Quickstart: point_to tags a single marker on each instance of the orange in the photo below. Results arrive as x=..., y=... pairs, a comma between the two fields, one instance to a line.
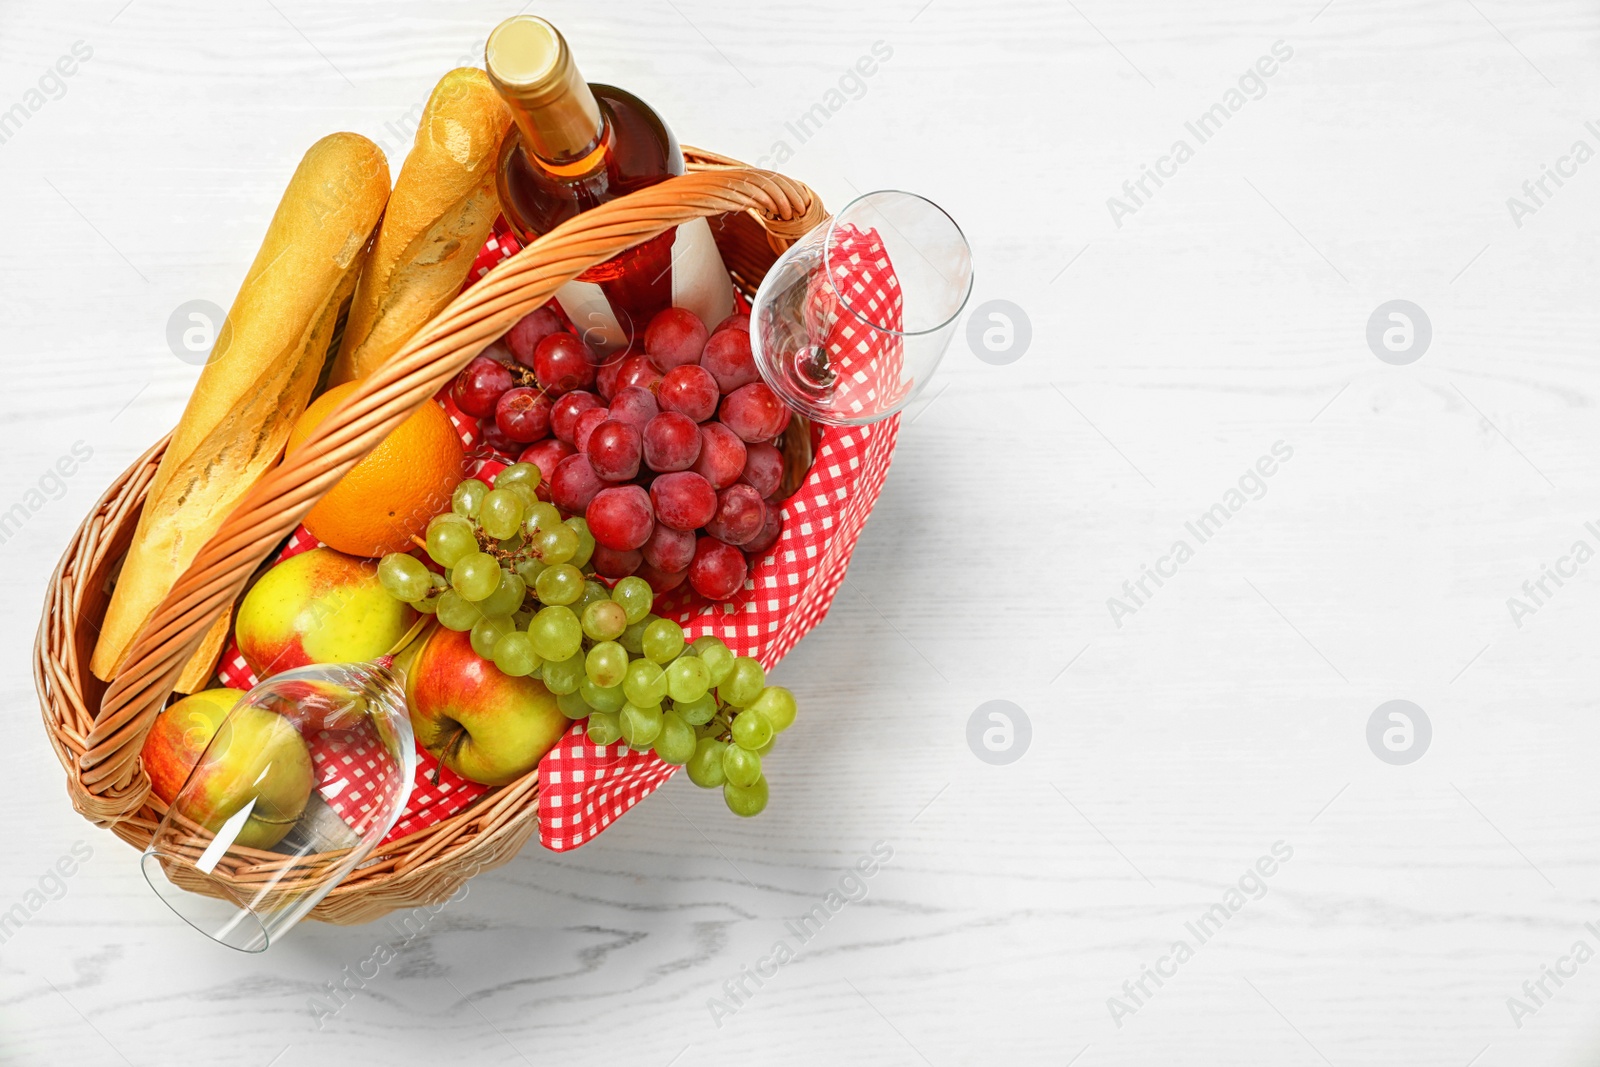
x=389, y=496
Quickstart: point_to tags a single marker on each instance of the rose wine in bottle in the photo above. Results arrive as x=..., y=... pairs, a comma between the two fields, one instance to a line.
x=575, y=145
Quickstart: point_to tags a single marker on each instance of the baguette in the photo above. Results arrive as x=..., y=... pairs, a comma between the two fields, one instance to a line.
x=256, y=382
x=443, y=206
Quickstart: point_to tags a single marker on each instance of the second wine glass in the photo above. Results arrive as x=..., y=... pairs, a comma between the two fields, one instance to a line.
x=853, y=319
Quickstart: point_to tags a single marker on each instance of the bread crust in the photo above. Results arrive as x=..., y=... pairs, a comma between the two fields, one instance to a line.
x=442, y=209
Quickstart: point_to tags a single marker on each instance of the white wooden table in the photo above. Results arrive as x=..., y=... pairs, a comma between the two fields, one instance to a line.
x=1176, y=739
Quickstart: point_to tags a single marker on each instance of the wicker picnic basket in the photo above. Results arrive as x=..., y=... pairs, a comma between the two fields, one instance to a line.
x=98, y=729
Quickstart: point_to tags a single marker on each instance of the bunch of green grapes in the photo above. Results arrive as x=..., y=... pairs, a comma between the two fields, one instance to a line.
x=518, y=579
x=734, y=715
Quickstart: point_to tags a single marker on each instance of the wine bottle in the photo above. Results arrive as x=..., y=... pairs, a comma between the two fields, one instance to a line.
x=574, y=146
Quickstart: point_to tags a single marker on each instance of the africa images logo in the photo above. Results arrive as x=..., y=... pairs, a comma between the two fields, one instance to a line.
x=52, y=85
x=1252, y=85
x=1251, y=885
x=851, y=887
x=1252, y=485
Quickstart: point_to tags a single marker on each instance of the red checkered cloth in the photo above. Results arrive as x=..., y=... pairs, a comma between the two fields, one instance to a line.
x=584, y=788
x=501, y=245
x=860, y=305
x=356, y=775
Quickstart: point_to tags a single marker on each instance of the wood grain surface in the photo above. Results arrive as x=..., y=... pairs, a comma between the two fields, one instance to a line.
x=1174, y=742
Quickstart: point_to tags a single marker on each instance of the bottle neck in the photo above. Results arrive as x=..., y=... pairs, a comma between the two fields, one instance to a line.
x=586, y=160
x=564, y=132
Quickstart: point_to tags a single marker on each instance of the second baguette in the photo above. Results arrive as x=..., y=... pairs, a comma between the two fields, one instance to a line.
x=443, y=206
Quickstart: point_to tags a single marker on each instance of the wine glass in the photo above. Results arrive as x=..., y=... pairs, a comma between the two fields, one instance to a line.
x=306, y=774
x=852, y=320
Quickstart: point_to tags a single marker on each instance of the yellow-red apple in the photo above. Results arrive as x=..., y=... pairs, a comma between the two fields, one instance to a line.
x=180, y=734
x=258, y=760
x=321, y=606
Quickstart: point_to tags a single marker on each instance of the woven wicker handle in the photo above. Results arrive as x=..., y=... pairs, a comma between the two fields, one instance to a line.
x=111, y=784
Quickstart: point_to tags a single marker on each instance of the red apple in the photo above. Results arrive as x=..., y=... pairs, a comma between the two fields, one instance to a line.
x=483, y=724
x=321, y=606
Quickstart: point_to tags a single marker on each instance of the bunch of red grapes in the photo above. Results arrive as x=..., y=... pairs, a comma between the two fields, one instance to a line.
x=668, y=455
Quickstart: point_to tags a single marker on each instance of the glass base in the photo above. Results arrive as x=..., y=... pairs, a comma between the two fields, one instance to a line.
x=814, y=372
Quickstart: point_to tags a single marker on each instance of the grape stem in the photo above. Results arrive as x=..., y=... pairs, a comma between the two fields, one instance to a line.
x=505, y=555
x=523, y=376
